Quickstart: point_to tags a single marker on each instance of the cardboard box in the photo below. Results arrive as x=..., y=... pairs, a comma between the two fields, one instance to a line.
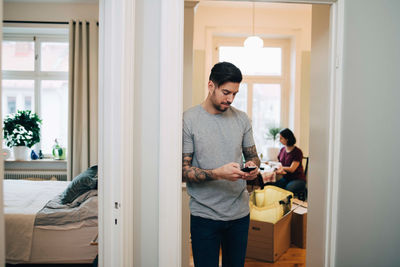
x=268, y=241
x=299, y=226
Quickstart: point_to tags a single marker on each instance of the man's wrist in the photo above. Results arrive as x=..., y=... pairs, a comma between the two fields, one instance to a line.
x=214, y=174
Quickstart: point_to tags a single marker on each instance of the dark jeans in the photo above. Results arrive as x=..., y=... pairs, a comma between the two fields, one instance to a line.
x=96, y=261
x=294, y=186
x=209, y=235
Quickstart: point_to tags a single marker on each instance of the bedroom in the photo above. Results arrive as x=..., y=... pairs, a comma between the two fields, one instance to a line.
x=36, y=77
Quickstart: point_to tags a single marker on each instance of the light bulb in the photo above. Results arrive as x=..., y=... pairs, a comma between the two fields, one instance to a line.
x=253, y=42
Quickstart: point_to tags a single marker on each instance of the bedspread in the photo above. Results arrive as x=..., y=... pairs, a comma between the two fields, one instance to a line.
x=83, y=208
x=22, y=200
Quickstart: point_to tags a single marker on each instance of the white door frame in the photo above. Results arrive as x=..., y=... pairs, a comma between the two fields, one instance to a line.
x=336, y=75
x=117, y=59
x=2, y=233
x=119, y=184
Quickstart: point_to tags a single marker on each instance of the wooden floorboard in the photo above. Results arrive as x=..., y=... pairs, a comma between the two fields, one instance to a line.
x=294, y=257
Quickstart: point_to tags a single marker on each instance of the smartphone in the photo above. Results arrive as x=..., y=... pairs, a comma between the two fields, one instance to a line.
x=248, y=169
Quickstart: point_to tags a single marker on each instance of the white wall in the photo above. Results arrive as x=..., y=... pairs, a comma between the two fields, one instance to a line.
x=141, y=66
x=188, y=54
x=267, y=16
x=368, y=232
x=146, y=137
x=50, y=11
x=289, y=21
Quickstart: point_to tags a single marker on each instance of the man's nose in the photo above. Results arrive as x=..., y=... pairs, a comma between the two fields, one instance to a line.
x=230, y=98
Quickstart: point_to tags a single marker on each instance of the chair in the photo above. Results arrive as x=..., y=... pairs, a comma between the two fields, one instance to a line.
x=306, y=165
x=303, y=195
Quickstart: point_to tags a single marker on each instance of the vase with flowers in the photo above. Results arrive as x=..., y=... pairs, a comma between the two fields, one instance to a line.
x=21, y=131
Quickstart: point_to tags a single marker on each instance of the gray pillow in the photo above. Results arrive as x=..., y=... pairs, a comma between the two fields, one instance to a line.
x=82, y=183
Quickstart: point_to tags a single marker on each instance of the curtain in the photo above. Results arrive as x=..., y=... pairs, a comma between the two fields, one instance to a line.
x=83, y=96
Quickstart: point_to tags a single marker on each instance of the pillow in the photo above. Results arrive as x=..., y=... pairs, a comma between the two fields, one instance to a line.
x=82, y=183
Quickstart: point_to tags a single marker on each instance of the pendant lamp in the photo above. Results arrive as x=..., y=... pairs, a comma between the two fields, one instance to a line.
x=253, y=41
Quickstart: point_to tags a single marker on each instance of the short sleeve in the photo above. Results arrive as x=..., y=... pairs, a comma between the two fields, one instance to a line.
x=248, y=140
x=280, y=154
x=298, y=156
x=187, y=139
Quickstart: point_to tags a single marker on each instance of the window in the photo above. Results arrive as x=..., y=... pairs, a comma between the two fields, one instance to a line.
x=263, y=94
x=35, y=77
x=259, y=62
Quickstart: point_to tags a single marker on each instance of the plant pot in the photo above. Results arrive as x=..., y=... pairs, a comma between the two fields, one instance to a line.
x=21, y=152
x=272, y=153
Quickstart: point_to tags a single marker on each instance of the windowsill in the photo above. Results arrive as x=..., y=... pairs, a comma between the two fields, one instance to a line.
x=38, y=164
x=45, y=160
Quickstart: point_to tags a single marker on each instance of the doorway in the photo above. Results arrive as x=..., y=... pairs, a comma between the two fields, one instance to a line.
x=294, y=101
x=154, y=54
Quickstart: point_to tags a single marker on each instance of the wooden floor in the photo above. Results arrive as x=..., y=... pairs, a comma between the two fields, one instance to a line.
x=294, y=257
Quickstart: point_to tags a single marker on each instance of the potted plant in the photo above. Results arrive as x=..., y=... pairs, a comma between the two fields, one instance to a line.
x=273, y=134
x=21, y=132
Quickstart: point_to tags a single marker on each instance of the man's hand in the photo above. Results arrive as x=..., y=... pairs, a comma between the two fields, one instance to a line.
x=250, y=175
x=230, y=172
x=251, y=157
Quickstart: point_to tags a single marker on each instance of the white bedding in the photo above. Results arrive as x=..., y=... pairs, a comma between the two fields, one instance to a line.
x=22, y=200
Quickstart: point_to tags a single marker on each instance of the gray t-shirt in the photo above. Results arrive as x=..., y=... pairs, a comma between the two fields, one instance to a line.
x=215, y=140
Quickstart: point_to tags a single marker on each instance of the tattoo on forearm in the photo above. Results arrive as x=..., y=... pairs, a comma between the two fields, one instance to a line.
x=194, y=174
x=250, y=154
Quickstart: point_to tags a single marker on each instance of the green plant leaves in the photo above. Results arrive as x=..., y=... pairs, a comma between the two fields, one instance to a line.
x=22, y=129
x=273, y=133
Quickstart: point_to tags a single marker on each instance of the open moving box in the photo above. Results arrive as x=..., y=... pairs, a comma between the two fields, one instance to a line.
x=268, y=241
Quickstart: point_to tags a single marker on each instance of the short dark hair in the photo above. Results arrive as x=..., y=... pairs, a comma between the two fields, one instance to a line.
x=224, y=72
x=289, y=136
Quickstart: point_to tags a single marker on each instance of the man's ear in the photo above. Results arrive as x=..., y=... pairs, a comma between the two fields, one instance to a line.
x=211, y=87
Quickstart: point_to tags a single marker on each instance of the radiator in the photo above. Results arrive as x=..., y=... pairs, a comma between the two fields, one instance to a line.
x=39, y=174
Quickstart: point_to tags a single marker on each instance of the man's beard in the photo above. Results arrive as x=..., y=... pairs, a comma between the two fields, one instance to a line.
x=219, y=107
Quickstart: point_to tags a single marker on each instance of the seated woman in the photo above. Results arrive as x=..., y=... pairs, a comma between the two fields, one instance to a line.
x=290, y=156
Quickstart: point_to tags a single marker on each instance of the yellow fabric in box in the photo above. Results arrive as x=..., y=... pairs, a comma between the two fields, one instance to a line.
x=264, y=204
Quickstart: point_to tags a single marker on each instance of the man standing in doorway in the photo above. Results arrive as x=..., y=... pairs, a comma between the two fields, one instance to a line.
x=215, y=136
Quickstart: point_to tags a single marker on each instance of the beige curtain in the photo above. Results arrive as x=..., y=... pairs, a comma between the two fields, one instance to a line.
x=83, y=96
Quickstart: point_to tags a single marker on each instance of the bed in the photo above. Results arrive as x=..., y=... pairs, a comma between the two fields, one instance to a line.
x=42, y=229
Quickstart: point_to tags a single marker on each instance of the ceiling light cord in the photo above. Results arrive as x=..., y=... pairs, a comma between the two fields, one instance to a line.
x=253, y=41
x=253, y=16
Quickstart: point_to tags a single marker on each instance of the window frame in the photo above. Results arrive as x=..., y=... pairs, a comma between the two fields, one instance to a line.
x=250, y=80
x=36, y=75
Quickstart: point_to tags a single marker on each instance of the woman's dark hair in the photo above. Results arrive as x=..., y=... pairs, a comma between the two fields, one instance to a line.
x=224, y=72
x=289, y=136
